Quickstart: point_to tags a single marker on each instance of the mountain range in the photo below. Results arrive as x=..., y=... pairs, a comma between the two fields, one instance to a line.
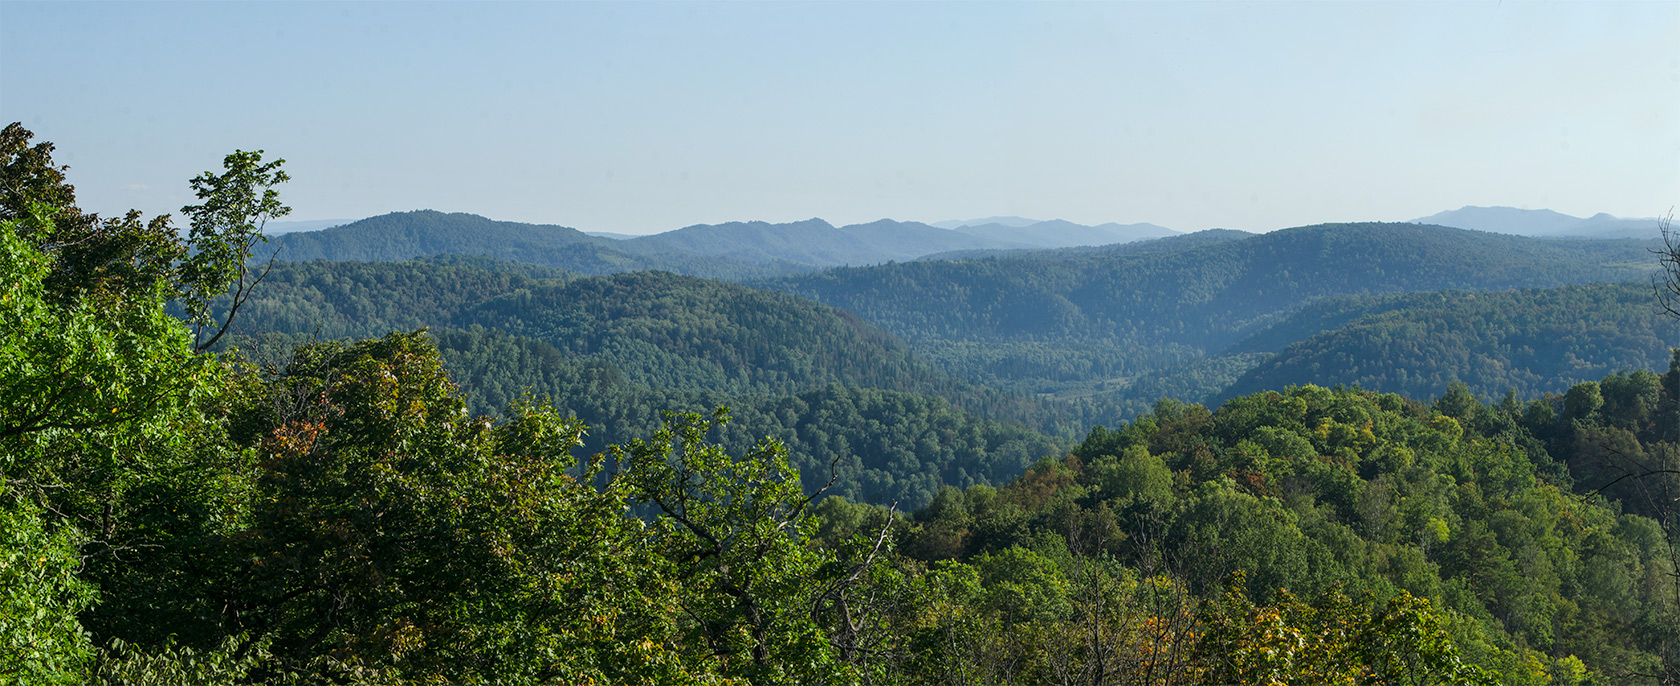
x=756, y=249
x=815, y=242
x=1185, y=315
x=734, y=250
x=424, y=233
x=1544, y=223
x=1090, y=321
x=1058, y=233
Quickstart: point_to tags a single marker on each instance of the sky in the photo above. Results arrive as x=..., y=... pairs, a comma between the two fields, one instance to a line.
x=641, y=117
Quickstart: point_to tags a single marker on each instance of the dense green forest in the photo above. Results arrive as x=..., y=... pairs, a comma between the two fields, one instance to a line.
x=1106, y=326
x=876, y=445
x=1527, y=341
x=1530, y=341
x=330, y=507
x=652, y=342
x=619, y=351
x=1219, y=290
x=660, y=328
x=362, y=299
x=1120, y=312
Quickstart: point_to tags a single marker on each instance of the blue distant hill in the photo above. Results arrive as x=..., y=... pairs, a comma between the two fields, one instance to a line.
x=1545, y=223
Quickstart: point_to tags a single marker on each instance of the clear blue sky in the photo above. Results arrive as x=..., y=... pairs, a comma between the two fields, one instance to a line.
x=643, y=117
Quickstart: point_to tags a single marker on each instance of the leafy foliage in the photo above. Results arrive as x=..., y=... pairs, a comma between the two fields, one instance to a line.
x=336, y=513
x=1453, y=515
x=225, y=228
x=41, y=642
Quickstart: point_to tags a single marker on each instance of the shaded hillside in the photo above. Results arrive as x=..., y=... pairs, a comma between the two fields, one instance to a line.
x=1114, y=311
x=685, y=332
x=657, y=329
x=1531, y=341
x=880, y=446
x=619, y=351
x=661, y=328
x=366, y=299
x=1314, y=491
x=1205, y=296
x=407, y=235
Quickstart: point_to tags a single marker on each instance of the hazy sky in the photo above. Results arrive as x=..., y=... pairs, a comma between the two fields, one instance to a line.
x=643, y=117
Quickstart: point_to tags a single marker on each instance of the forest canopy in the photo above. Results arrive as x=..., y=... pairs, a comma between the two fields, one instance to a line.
x=339, y=511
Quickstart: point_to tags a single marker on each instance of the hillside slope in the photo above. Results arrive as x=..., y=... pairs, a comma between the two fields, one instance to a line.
x=1530, y=341
x=685, y=332
x=661, y=329
x=879, y=446
x=619, y=351
x=1206, y=296
x=1069, y=321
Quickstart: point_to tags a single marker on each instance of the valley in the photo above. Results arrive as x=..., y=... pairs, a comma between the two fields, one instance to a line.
x=1049, y=341
x=705, y=343
x=1390, y=440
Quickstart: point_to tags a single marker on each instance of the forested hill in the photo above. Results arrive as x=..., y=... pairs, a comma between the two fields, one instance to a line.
x=172, y=511
x=659, y=328
x=407, y=235
x=846, y=397
x=365, y=299
x=685, y=332
x=734, y=250
x=1206, y=296
x=1530, y=341
x=878, y=446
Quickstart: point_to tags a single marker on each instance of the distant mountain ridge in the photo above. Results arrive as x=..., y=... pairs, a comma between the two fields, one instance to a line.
x=619, y=350
x=1016, y=222
x=733, y=250
x=1541, y=223
x=1171, y=243
x=1230, y=280
x=1097, y=334
x=814, y=242
x=424, y=233
x=277, y=228
x=1058, y=233
x=756, y=249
